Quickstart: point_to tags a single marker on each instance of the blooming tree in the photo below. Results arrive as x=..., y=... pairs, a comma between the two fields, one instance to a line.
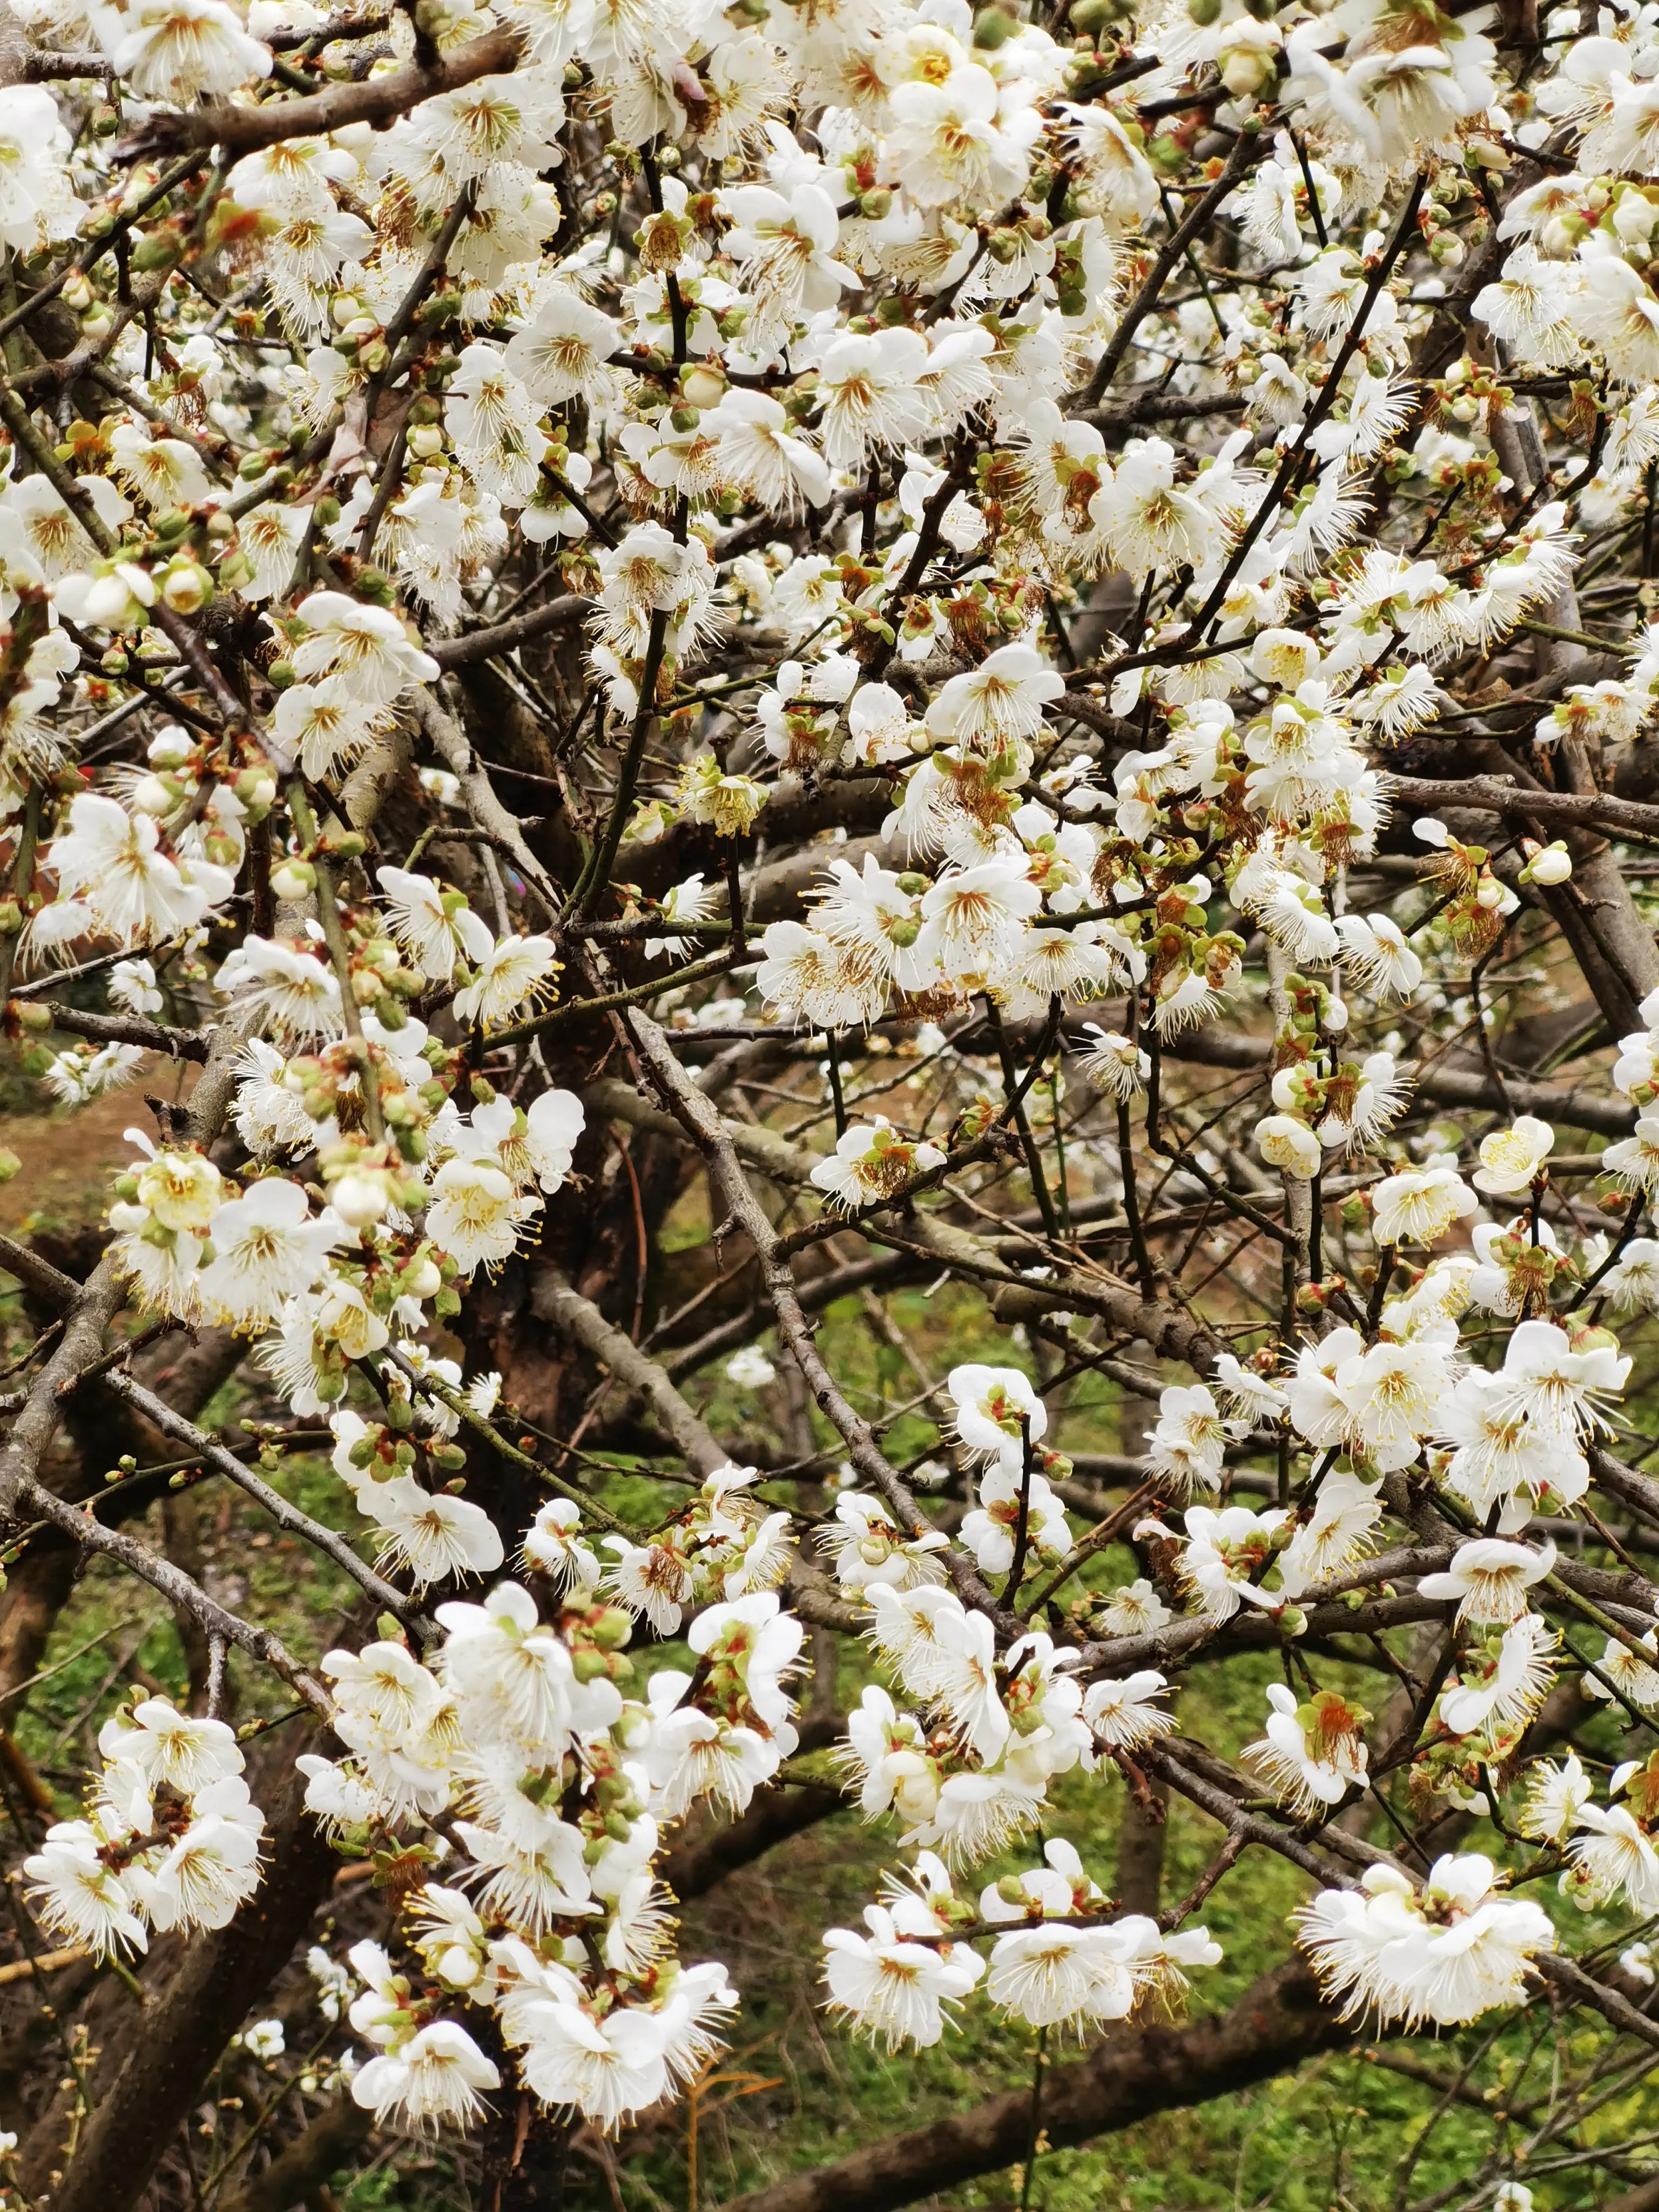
x=704, y=663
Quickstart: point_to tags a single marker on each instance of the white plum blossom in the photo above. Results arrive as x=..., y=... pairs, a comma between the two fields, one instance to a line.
x=775, y=744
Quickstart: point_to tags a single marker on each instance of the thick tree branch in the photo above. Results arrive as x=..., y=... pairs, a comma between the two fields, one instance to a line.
x=237, y=130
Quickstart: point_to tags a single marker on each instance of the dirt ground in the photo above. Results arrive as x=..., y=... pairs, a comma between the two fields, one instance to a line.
x=69, y=1152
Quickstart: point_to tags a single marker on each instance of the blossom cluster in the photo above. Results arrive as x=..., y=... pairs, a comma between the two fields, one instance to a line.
x=810, y=374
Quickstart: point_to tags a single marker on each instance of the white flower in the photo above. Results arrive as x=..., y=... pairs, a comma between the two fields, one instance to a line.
x=327, y=724
x=448, y=1933
x=1612, y=1854
x=607, y=2068
x=517, y=972
x=435, y=926
x=269, y=537
x=914, y=1631
x=1632, y=1284
x=1501, y=1455
x=172, y=49
x=1558, y=1388
x=475, y=1214
x=285, y=985
x=886, y=1755
x=267, y=1247
x=1379, y=1945
x=112, y=862
x=187, y=1753
x=77, y=1896
x=1501, y=1684
x=755, y=1638
x=1635, y=1159
x=1120, y=1069
x=1294, y=916
x=1122, y=1716
x=119, y=597
x=991, y=1530
x=1290, y=1146
x=1394, y=1393
x=897, y=1991
x=1049, y=1976
x=366, y=646
x=691, y=901
x=562, y=352
x=996, y=1408
x=978, y=1815
x=1246, y=1393
x=1312, y=1755
x=212, y=1868
x=432, y=1534
x=1223, y=1553
x=1511, y=1159
x=692, y=1755
x=868, y=393
x=431, y=2082
x=1337, y=1532
x=508, y=1670
x=1627, y=1673
x=972, y=919
x=79, y=1076
x=1419, y=1204
x=762, y=455
x=1489, y=1578
x=1554, y=1795
x=997, y=703
x=492, y=420
x=702, y=1999
x=543, y=1149
x=554, y=1543
x=650, y=1579
x=535, y=1874
x=751, y=1368
x=180, y=1190
x=873, y=1161
x=1361, y=1105
x=806, y=975
x=1186, y=1451
x=132, y=985
x=162, y=472
x=943, y=1652
x=1135, y=1610
x=866, y=1548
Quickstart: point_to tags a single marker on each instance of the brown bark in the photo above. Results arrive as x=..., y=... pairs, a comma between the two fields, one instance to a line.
x=293, y=2178
x=37, y=1590
x=1141, y=1845
x=525, y=2155
x=1277, y=2024
x=379, y=101
x=699, y=1864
